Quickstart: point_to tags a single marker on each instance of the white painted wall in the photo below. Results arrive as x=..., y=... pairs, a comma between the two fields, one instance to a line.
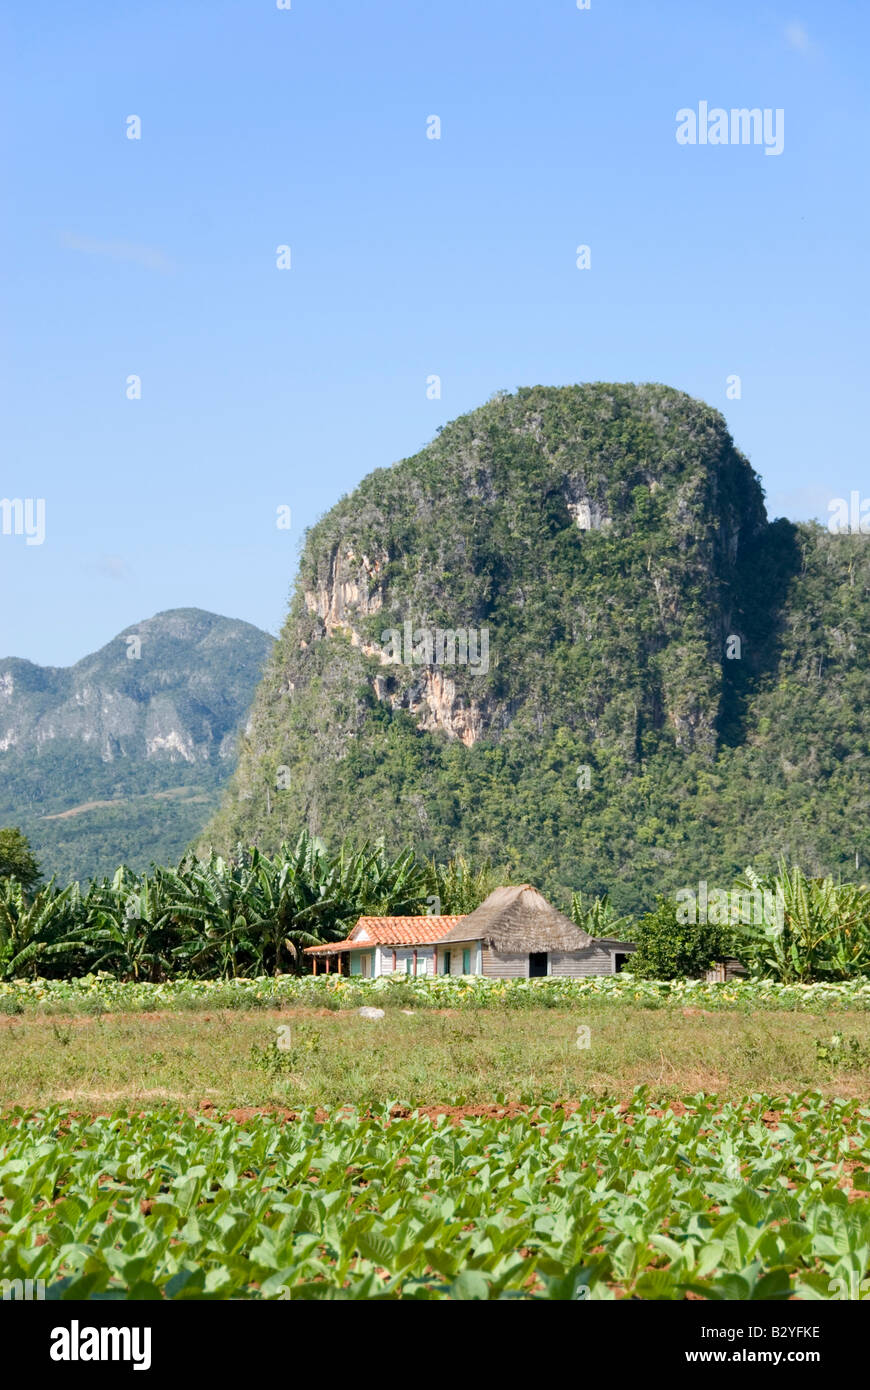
x=384, y=960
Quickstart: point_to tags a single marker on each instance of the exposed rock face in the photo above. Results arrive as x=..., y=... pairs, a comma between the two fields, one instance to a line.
x=588, y=515
x=353, y=593
x=438, y=707
x=351, y=588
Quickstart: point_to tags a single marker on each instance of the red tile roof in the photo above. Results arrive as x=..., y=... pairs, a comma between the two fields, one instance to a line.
x=389, y=931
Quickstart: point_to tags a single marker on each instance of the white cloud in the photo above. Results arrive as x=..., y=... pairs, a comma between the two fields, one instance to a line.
x=112, y=567
x=149, y=256
x=797, y=37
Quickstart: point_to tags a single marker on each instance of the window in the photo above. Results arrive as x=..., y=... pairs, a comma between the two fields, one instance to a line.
x=466, y=961
x=619, y=959
x=407, y=965
x=446, y=967
x=537, y=964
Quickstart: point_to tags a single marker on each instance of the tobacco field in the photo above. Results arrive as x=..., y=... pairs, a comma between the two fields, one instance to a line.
x=758, y=1199
x=101, y=992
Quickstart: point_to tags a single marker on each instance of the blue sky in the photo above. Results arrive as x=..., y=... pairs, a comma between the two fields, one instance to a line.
x=410, y=257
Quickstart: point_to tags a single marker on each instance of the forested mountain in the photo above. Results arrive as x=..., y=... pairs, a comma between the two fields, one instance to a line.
x=650, y=633
x=121, y=757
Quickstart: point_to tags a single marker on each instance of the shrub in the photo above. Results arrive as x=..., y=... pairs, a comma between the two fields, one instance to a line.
x=668, y=949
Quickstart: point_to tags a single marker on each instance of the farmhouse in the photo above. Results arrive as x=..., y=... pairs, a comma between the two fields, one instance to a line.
x=384, y=946
x=515, y=932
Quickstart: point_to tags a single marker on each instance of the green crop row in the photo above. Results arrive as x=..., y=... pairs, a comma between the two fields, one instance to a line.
x=761, y=1199
x=95, y=992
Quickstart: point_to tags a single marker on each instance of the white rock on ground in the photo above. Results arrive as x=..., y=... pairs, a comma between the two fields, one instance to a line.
x=370, y=1013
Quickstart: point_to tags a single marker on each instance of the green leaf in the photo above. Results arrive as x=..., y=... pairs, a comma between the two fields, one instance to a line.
x=470, y=1284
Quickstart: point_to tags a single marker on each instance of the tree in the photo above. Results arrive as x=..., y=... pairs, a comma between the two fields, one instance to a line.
x=16, y=858
x=668, y=949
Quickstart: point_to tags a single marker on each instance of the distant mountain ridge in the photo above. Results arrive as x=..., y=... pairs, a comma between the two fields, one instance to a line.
x=155, y=713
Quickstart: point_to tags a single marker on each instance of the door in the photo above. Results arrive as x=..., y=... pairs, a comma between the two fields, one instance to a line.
x=537, y=964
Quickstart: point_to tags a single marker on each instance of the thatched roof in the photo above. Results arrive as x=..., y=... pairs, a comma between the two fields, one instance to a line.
x=519, y=919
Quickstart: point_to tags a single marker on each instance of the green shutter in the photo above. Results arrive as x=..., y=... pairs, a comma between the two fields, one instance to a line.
x=466, y=962
x=355, y=967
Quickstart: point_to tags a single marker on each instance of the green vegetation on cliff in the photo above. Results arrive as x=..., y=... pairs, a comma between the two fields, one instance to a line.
x=613, y=543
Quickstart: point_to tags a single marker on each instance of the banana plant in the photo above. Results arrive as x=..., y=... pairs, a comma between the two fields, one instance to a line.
x=812, y=928
x=598, y=918
x=219, y=912
x=131, y=928
x=35, y=932
x=456, y=887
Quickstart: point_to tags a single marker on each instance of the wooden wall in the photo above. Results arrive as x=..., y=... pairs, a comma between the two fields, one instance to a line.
x=596, y=960
x=505, y=966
